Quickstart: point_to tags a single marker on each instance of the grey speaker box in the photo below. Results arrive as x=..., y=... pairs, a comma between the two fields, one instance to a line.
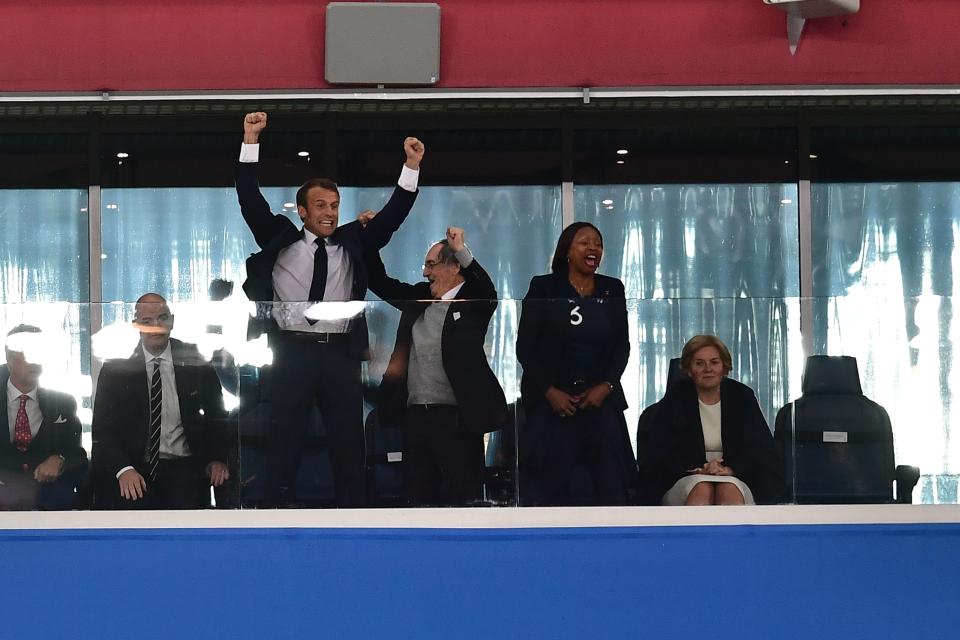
x=374, y=43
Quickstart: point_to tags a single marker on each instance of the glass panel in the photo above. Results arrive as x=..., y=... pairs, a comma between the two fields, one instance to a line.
x=726, y=255
x=886, y=254
x=44, y=254
x=303, y=404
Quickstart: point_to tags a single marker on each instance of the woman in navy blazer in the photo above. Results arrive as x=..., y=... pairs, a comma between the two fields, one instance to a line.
x=709, y=442
x=573, y=345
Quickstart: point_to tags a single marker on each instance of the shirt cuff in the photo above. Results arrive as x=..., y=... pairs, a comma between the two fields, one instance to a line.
x=122, y=471
x=464, y=256
x=409, y=178
x=249, y=152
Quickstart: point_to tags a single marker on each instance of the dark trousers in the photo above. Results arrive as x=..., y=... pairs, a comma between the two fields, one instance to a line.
x=577, y=460
x=308, y=373
x=20, y=492
x=180, y=484
x=442, y=463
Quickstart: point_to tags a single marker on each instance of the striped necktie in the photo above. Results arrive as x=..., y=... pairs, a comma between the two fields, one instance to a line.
x=156, y=411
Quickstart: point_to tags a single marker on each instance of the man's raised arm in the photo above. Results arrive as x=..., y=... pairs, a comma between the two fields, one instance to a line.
x=253, y=206
x=381, y=225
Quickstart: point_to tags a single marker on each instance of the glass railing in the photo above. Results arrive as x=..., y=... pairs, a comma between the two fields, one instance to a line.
x=476, y=403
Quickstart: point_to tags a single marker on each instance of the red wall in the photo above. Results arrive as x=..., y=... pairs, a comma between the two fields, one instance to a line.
x=126, y=45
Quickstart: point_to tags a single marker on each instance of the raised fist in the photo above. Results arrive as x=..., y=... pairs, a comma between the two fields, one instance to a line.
x=364, y=217
x=253, y=124
x=413, y=148
x=455, y=238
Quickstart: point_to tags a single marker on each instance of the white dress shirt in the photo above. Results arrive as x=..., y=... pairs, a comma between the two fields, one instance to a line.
x=173, y=440
x=710, y=421
x=293, y=270
x=32, y=408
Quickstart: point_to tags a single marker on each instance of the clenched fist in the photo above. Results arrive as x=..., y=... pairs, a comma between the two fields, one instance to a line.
x=455, y=238
x=413, y=149
x=253, y=124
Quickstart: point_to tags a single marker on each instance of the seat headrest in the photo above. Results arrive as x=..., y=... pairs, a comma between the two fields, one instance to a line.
x=831, y=375
x=674, y=373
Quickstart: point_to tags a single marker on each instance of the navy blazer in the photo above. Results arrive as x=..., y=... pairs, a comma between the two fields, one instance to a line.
x=543, y=331
x=480, y=398
x=273, y=233
x=676, y=442
x=59, y=433
x=121, y=411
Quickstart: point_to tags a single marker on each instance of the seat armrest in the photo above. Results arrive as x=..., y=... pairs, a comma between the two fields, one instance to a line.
x=906, y=479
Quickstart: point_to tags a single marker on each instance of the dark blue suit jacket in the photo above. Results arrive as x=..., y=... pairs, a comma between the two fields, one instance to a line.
x=543, y=331
x=121, y=412
x=273, y=233
x=59, y=433
x=480, y=398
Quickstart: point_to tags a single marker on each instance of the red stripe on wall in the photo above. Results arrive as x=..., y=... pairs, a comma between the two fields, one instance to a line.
x=178, y=45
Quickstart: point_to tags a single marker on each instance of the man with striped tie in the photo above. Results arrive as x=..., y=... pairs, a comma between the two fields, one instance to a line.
x=159, y=427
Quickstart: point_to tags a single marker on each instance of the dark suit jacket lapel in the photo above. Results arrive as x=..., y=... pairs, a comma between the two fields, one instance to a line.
x=139, y=382
x=4, y=420
x=49, y=414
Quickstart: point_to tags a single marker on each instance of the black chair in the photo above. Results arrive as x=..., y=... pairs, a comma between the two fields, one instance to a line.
x=837, y=444
x=643, y=432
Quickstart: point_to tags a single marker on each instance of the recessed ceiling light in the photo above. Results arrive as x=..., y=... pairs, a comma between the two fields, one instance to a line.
x=786, y=201
x=123, y=154
x=813, y=156
x=103, y=256
x=609, y=208
x=786, y=162
x=303, y=154
x=112, y=206
x=606, y=202
x=619, y=161
x=289, y=205
x=622, y=152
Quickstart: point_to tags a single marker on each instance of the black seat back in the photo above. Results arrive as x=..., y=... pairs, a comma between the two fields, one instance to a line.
x=837, y=444
x=643, y=428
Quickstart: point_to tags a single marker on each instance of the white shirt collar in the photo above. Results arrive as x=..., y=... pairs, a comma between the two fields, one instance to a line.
x=166, y=356
x=14, y=394
x=309, y=237
x=450, y=295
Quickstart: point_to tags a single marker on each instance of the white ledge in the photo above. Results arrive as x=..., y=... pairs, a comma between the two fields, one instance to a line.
x=486, y=518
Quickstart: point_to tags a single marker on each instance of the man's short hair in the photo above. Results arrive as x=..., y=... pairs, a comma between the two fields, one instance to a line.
x=323, y=183
x=20, y=328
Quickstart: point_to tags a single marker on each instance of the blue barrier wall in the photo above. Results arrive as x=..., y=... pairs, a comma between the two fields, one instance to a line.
x=754, y=581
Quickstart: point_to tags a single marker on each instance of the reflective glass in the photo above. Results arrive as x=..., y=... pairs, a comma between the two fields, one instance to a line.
x=886, y=255
x=722, y=258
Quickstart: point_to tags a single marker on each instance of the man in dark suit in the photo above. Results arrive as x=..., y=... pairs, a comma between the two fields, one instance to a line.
x=316, y=350
x=438, y=384
x=41, y=460
x=159, y=433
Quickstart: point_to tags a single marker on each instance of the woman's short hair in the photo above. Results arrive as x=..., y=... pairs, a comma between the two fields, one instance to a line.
x=559, y=264
x=696, y=343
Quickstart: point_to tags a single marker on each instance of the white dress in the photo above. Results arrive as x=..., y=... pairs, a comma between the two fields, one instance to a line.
x=710, y=419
